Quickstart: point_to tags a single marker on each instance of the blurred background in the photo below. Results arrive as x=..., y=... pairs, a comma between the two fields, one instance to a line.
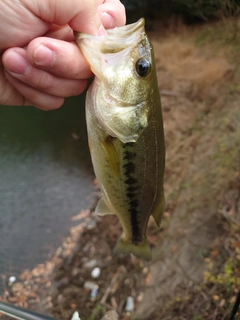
x=50, y=238
x=44, y=156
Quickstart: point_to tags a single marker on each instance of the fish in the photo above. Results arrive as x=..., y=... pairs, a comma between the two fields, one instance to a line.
x=125, y=131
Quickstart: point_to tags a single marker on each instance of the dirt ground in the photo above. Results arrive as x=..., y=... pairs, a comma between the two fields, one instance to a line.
x=195, y=273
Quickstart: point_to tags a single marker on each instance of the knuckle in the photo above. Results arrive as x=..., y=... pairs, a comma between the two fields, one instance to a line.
x=44, y=81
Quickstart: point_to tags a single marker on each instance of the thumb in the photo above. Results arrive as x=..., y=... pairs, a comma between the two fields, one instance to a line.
x=80, y=15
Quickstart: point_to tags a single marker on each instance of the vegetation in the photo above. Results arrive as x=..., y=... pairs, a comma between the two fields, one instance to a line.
x=203, y=65
x=191, y=10
x=203, y=10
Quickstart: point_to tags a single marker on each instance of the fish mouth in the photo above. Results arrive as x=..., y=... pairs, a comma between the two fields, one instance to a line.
x=117, y=39
x=127, y=29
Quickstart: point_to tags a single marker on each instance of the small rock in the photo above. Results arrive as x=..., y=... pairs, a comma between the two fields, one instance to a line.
x=89, y=285
x=11, y=280
x=130, y=304
x=90, y=264
x=96, y=272
x=75, y=316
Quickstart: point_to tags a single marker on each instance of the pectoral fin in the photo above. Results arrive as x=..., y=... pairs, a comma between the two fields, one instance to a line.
x=157, y=213
x=111, y=154
x=102, y=208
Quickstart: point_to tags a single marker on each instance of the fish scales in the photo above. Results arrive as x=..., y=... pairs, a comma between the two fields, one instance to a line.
x=125, y=131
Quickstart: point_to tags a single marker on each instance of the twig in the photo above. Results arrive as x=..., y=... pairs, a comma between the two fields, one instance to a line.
x=229, y=217
x=235, y=307
x=116, y=277
x=169, y=93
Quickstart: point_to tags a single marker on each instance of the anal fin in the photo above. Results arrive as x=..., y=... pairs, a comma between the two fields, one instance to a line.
x=102, y=208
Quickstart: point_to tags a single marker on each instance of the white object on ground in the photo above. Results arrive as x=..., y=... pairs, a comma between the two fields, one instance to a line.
x=96, y=272
x=75, y=316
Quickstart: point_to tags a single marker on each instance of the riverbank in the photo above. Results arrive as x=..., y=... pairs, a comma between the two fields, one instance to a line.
x=195, y=270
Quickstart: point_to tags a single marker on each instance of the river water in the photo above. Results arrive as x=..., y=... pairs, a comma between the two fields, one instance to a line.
x=45, y=178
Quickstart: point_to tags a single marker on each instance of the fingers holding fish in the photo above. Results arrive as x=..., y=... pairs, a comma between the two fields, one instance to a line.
x=87, y=20
x=40, y=79
x=112, y=13
x=21, y=94
x=37, y=85
x=58, y=57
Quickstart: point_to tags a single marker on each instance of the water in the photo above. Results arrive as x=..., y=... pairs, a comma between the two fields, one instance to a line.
x=45, y=179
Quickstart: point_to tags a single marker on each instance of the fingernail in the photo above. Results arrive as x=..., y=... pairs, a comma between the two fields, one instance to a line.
x=43, y=56
x=107, y=20
x=16, y=63
x=102, y=31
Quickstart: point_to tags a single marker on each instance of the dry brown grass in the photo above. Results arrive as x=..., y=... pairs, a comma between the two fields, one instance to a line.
x=203, y=74
x=202, y=129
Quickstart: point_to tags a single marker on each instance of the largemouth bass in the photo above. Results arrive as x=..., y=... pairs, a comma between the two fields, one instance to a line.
x=125, y=130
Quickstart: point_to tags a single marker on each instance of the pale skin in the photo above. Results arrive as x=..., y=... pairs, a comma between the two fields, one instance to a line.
x=41, y=63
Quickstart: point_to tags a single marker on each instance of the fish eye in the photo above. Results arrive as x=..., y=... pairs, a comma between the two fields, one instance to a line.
x=143, y=67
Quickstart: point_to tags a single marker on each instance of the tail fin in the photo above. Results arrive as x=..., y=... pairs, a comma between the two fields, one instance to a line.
x=141, y=250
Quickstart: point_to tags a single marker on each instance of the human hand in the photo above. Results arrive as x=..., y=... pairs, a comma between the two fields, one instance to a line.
x=41, y=63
